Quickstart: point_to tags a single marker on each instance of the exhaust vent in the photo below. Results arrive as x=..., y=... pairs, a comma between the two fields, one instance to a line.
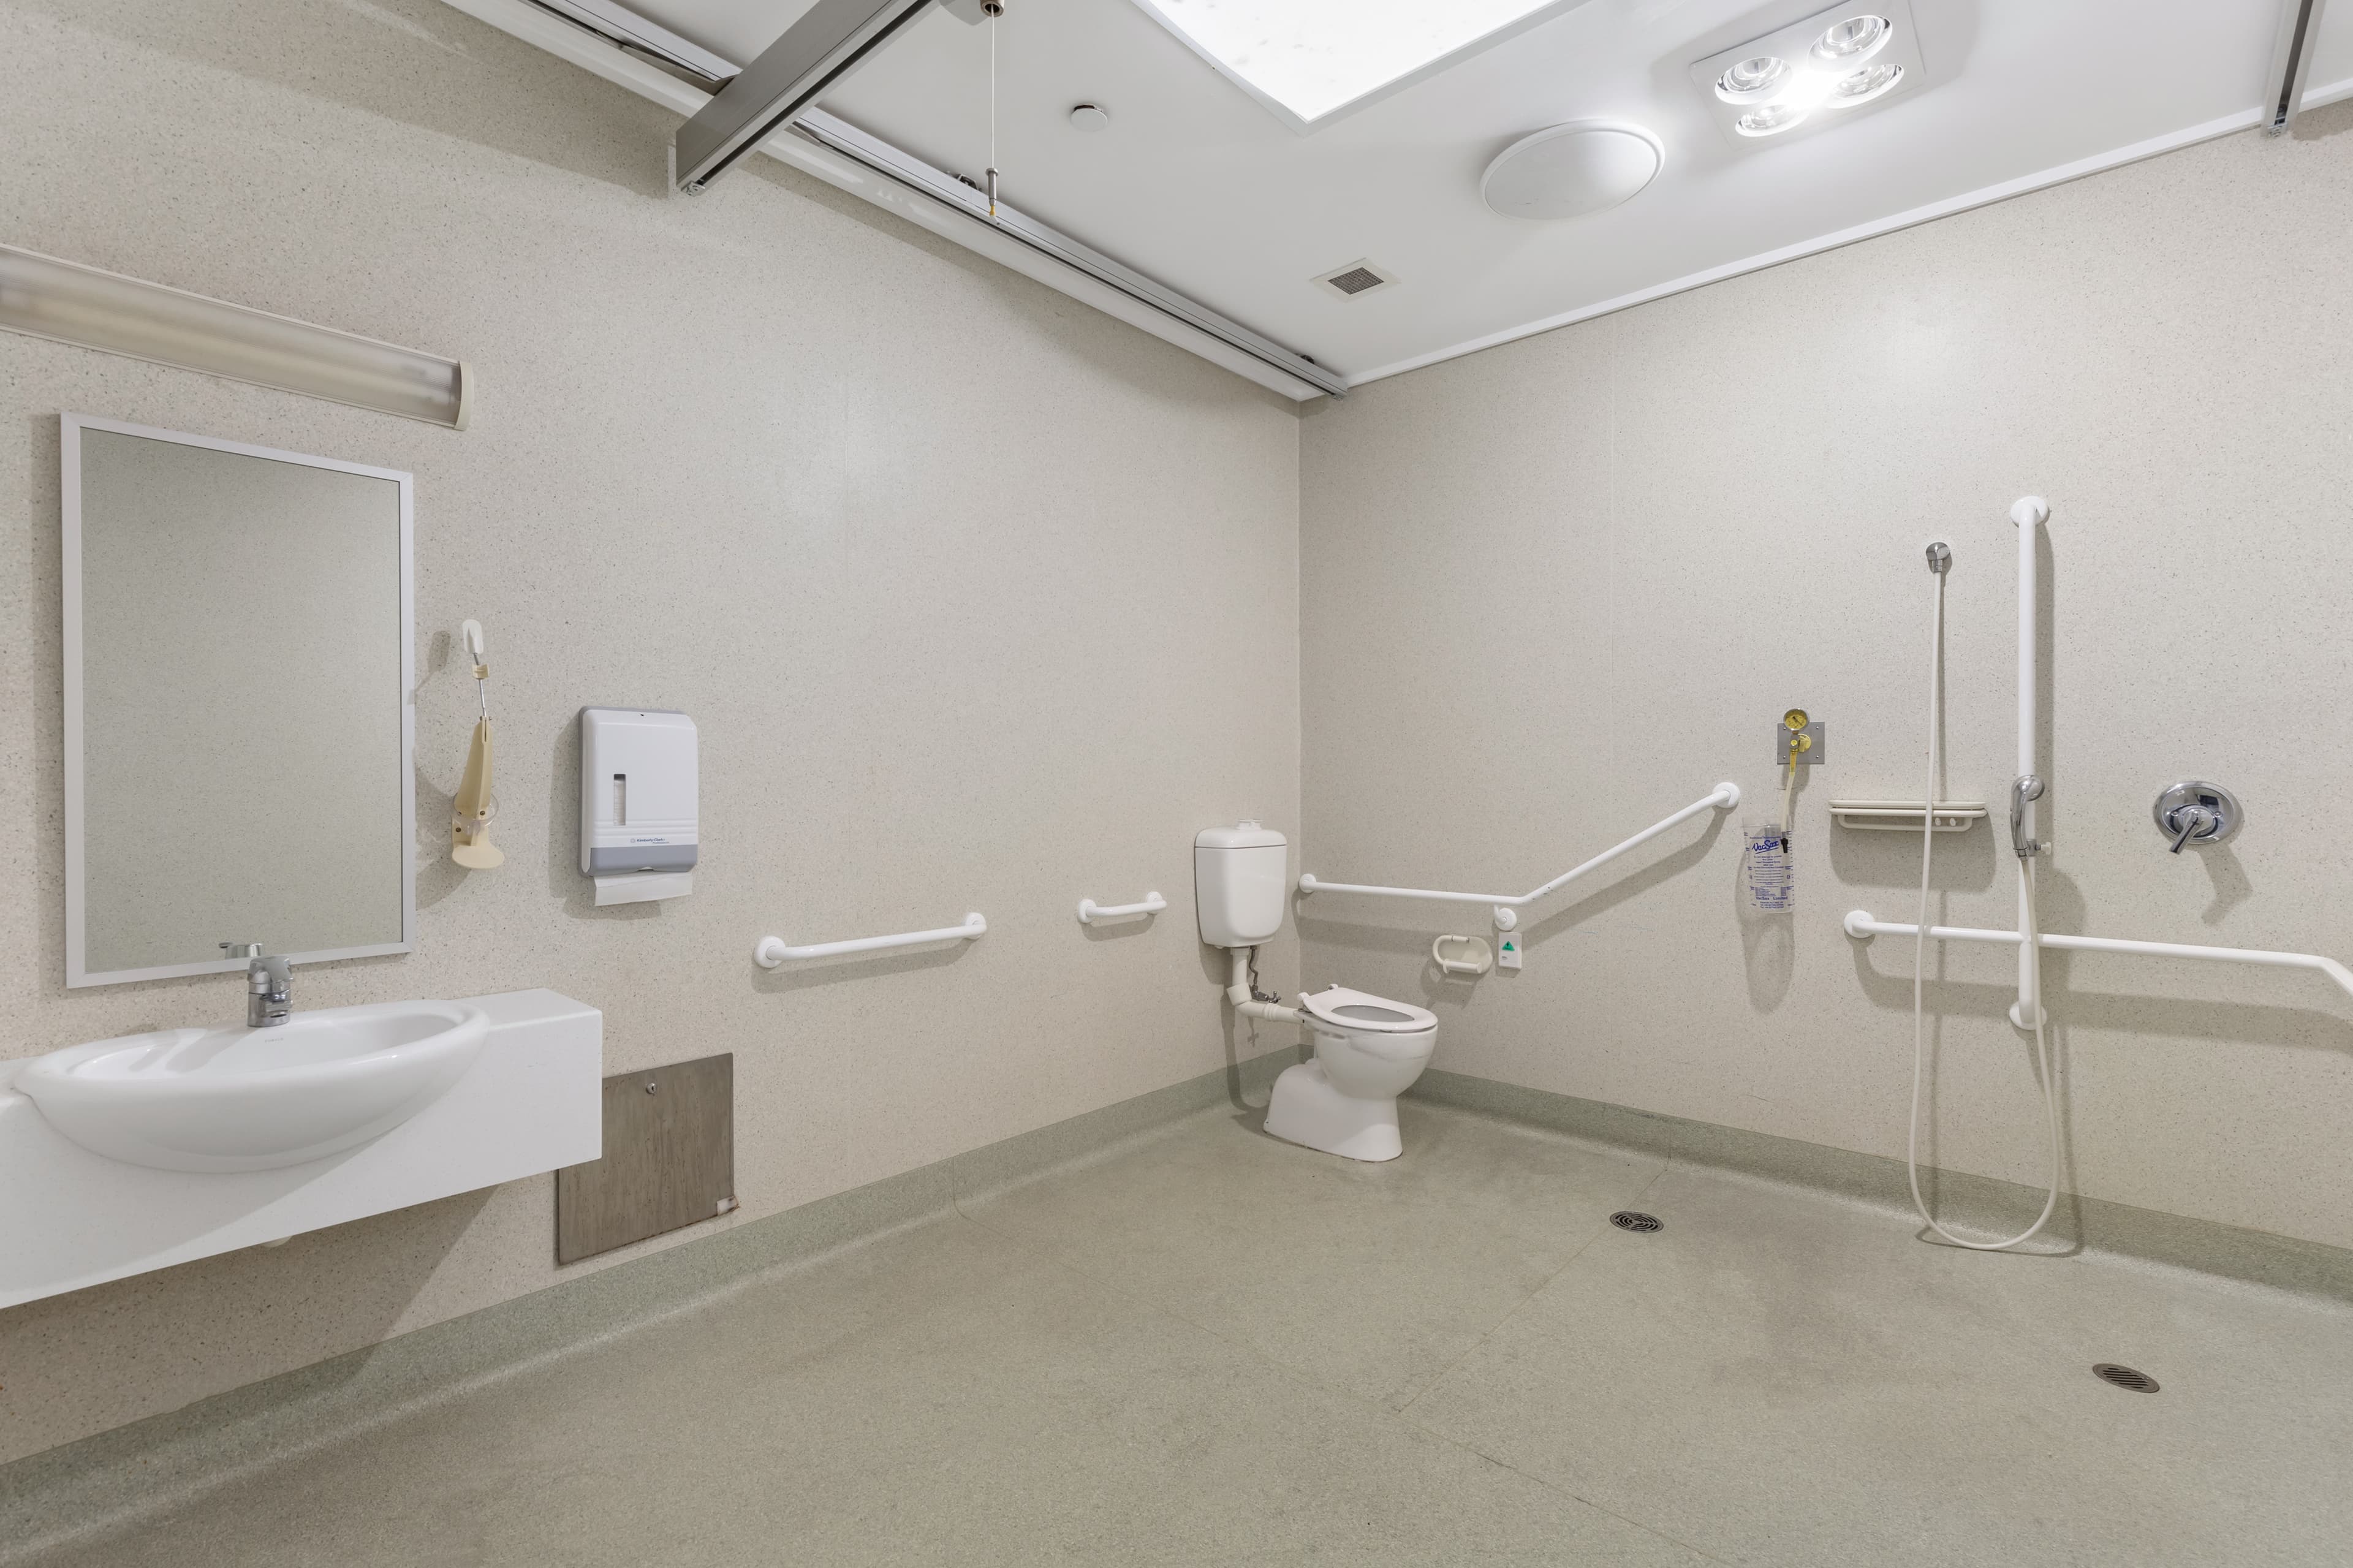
x=1356, y=277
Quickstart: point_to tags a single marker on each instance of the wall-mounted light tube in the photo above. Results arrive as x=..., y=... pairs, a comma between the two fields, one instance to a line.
x=70, y=303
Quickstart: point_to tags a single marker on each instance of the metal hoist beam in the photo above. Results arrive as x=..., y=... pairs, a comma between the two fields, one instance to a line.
x=814, y=53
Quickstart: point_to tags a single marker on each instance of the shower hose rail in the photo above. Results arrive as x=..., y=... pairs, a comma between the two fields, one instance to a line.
x=1723, y=797
x=1862, y=926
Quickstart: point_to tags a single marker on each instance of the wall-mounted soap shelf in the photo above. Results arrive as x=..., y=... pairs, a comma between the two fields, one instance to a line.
x=1904, y=816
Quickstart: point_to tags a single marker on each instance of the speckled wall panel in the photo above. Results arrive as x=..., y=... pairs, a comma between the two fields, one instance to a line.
x=980, y=599
x=1608, y=558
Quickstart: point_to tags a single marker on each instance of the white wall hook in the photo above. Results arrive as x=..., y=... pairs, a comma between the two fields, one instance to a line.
x=1091, y=912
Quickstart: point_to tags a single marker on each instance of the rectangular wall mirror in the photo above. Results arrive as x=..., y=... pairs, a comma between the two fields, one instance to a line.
x=238, y=729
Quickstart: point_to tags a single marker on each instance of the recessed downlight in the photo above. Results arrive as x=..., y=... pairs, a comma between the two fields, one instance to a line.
x=1852, y=41
x=1089, y=117
x=1862, y=86
x=1759, y=77
x=1771, y=119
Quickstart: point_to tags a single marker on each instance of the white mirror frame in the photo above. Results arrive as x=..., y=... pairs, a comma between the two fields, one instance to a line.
x=71, y=426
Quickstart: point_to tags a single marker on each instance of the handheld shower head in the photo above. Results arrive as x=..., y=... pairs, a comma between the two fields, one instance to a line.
x=2026, y=788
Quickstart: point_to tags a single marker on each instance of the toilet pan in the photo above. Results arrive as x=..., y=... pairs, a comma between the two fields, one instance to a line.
x=1368, y=1050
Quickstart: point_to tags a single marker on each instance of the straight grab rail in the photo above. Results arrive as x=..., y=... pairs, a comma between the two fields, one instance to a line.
x=1723, y=797
x=774, y=950
x=1862, y=928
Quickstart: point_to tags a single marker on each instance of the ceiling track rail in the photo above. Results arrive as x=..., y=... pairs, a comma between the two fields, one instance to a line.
x=904, y=168
x=649, y=41
x=624, y=30
x=2299, y=33
x=831, y=39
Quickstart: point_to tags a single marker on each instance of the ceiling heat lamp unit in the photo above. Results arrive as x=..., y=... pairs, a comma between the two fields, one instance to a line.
x=1813, y=73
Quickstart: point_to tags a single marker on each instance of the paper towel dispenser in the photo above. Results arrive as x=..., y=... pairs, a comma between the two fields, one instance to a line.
x=637, y=802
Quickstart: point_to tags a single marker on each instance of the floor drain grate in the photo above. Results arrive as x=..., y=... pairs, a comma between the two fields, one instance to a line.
x=2125, y=1377
x=1626, y=1220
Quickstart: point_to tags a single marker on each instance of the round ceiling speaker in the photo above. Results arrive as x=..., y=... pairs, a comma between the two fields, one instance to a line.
x=1585, y=166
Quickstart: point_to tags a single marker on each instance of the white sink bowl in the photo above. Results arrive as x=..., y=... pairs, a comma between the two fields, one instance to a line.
x=254, y=1099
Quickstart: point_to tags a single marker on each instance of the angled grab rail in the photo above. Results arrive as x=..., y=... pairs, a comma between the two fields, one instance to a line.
x=1862, y=927
x=1723, y=797
x=774, y=950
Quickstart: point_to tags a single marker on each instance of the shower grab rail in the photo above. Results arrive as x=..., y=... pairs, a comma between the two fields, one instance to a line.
x=774, y=950
x=1862, y=928
x=1723, y=797
x=1091, y=912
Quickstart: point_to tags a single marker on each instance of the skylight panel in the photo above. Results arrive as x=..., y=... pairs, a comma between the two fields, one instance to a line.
x=1308, y=58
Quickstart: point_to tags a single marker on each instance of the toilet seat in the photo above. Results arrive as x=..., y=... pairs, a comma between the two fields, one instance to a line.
x=1360, y=1012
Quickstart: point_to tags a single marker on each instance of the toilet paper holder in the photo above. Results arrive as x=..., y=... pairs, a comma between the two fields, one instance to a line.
x=1473, y=957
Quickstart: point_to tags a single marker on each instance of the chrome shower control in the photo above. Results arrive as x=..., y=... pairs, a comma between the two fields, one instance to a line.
x=2194, y=812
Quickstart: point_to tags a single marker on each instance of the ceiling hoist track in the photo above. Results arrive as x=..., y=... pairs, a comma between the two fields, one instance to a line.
x=778, y=92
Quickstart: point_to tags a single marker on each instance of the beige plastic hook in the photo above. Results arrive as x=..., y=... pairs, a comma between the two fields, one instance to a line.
x=470, y=812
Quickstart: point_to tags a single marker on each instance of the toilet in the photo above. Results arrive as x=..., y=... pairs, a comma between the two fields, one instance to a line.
x=1368, y=1049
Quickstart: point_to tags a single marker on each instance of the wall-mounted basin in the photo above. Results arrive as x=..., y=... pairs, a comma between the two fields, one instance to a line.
x=239, y=1099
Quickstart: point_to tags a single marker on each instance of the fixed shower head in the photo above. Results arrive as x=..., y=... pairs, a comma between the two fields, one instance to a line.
x=1940, y=558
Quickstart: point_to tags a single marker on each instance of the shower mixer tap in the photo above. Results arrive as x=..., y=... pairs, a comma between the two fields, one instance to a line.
x=2189, y=822
x=2023, y=789
x=2197, y=812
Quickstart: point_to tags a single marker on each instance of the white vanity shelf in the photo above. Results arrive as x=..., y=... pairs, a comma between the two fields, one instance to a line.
x=1904, y=816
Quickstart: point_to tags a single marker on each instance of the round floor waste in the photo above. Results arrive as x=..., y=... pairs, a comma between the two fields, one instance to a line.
x=2125, y=1377
x=1626, y=1220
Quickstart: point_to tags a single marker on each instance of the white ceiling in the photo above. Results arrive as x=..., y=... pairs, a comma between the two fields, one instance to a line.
x=1197, y=184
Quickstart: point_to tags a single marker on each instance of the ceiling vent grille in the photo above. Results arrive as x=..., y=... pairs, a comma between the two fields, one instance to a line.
x=1356, y=279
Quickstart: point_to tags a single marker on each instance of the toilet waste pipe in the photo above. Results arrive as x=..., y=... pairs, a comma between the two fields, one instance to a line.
x=1246, y=1001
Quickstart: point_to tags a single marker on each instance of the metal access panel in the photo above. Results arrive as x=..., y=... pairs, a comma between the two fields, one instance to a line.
x=670, y=1159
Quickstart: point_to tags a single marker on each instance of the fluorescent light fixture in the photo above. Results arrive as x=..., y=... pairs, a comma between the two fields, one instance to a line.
x=1812, y=73
x=69, y=303
x=1309, y=60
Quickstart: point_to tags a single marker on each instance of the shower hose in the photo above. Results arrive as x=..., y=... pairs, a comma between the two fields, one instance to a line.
x=2031, y=936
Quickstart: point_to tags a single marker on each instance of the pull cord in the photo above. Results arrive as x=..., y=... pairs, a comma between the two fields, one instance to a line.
x=993, y=9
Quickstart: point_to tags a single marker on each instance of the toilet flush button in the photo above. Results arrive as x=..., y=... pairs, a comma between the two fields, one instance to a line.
x=1507, y=951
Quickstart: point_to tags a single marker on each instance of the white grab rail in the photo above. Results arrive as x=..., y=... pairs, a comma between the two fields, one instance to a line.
x=1862, y=927
x=1091, y=912
x=774, y=950
x=1723, y=797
